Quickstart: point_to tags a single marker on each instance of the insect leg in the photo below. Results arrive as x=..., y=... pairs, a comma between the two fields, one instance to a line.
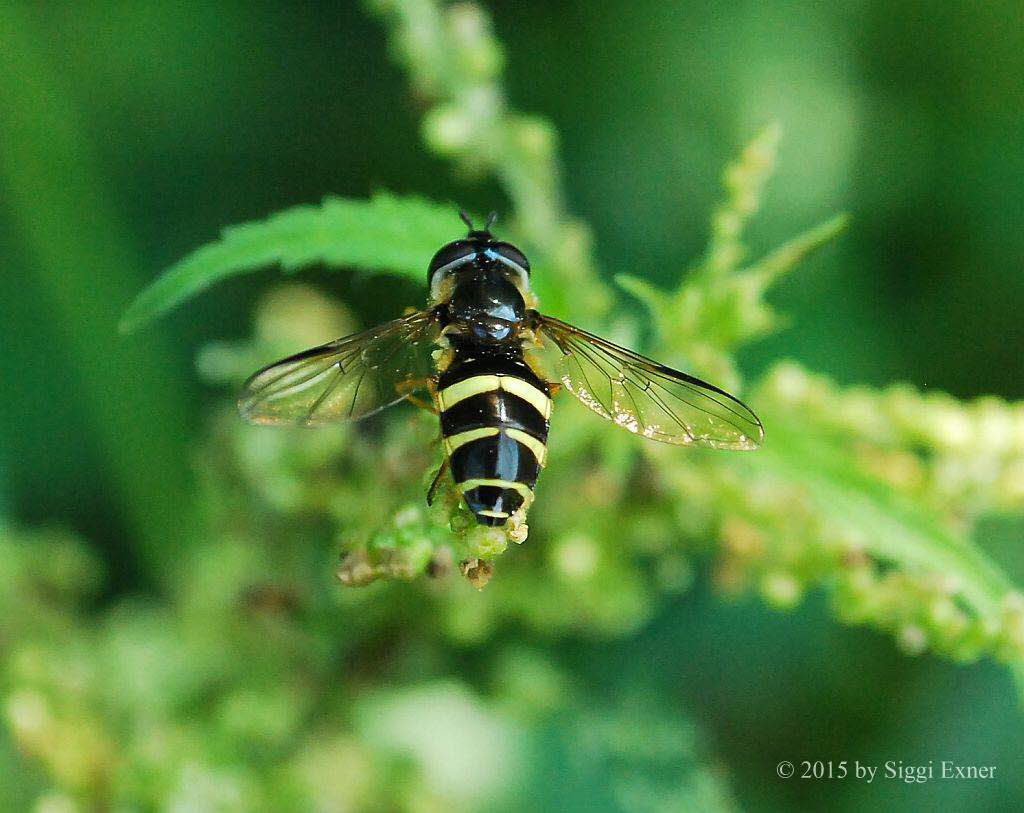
x=432, y=491
x=412, y=399
x=407, y=389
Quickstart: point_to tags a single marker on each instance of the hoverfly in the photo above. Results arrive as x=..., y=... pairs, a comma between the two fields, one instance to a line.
x=477, y=352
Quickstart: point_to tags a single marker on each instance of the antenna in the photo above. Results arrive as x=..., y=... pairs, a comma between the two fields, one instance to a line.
x=491, y=218
x=465, y=219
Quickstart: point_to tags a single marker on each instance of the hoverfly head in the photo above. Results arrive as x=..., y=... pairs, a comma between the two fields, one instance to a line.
x=477, y=251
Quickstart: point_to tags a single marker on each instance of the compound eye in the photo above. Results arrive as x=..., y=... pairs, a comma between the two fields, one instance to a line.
x=513, y=255
x=453, y=253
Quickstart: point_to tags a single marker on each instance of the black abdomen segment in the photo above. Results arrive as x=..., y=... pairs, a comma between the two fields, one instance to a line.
x=494, y=419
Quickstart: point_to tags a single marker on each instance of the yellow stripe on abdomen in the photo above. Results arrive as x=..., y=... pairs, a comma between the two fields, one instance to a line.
x=468, y=387
x=523, y=489
x=538, y=447
x=453, y=442
x=529, y=393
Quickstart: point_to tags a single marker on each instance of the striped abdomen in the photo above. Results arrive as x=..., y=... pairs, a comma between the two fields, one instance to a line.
x=494, y=419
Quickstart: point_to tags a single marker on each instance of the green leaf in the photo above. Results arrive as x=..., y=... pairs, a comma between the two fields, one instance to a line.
x=656, y=300
x=793, y=252
x=895, y=528
x=951, y=594
x=385, y=234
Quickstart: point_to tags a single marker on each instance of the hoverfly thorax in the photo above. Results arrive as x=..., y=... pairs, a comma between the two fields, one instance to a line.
x=486, y=304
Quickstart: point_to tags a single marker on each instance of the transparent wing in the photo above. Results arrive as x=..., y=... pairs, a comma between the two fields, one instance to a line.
x=645, y=397
x=346, y=379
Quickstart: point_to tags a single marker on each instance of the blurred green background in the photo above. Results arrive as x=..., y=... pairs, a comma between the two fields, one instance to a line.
x=130, y=133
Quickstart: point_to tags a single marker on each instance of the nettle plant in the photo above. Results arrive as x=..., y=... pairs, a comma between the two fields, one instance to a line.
x=871, y=495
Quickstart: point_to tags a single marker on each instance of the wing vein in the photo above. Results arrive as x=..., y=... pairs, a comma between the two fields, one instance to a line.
x=369, y=370
x=646, y=397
